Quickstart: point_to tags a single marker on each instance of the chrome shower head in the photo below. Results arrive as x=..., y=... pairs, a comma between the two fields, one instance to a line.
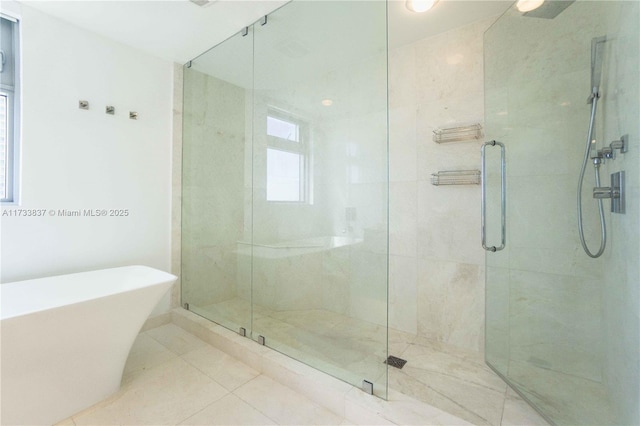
x=597, y=51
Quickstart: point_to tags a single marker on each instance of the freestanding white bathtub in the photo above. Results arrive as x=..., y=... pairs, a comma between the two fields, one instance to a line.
x=65, y=339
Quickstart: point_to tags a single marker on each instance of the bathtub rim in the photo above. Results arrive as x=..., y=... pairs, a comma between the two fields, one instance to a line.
x=149, y=276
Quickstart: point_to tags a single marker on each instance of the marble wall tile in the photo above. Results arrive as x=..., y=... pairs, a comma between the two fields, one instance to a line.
x=433, y=83
x=449, y=223
x=369, y=136
x=403, y=75
x=368, y=289
x=288, y=283
x=555, y=323
x=561, y=260
x=402, y=143
x=370, y=202
x=496, y=111
x=450, y=63
x=208, y=274
x=403, y=273
x=569, y=325
x=451, y=302
x=243, y=274
x=176, y=182
x=532, y=198
x=533, y=60
x=621, y=293
x=212, y=214
x=547, y=104
x=444, y=113
x=403, y=218
x=336, y=279
x=496, y=349
x=535, y=150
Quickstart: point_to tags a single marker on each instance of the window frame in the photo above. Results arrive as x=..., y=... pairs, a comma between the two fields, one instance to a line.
x=14, y=112
x=300, y=147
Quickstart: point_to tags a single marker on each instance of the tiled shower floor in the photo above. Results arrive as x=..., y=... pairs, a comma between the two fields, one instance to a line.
x=460, y=383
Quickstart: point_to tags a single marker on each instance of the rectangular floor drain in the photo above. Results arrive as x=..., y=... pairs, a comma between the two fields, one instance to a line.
x=396, y=362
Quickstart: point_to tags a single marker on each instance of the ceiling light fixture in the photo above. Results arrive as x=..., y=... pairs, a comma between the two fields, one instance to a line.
x=327, y=102
x=528, y=5
x=420, y=6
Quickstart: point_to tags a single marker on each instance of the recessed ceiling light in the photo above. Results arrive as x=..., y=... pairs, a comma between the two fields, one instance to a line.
x=528, y=5
x=327, y=102
x=420, y=6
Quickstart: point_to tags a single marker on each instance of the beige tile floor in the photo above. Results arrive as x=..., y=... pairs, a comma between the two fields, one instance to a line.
x=172, y=377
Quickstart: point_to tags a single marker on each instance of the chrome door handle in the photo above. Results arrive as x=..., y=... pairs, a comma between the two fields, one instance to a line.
x=503, y=195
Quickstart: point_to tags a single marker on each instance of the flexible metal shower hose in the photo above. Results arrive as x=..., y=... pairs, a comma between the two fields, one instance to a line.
x=603, y=227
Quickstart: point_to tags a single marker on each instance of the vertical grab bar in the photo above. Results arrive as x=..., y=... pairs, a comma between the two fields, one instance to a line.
x=503, y=194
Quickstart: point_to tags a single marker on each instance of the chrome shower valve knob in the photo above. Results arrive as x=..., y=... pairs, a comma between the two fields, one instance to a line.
x=605, y=192
x=615, y=192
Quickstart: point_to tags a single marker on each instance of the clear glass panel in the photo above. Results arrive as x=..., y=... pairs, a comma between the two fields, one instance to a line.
x=216, y=183
x=320, y=261
x=562, y=327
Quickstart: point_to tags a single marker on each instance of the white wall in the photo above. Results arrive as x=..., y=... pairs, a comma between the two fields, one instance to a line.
x=75, y=159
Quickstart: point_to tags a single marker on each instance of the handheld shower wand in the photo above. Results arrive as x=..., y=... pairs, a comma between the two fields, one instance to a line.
x=591, y=151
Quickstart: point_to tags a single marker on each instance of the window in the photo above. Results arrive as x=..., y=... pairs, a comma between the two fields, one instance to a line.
x=287, y=158
x=9, y=108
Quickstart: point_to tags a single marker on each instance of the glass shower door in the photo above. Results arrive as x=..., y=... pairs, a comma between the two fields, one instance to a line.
x=562, y=328
x=320, y=187
x=216, y=183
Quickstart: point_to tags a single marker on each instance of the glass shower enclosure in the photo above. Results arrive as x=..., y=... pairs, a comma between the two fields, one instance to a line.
x=561, y=326
x=284, y=210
